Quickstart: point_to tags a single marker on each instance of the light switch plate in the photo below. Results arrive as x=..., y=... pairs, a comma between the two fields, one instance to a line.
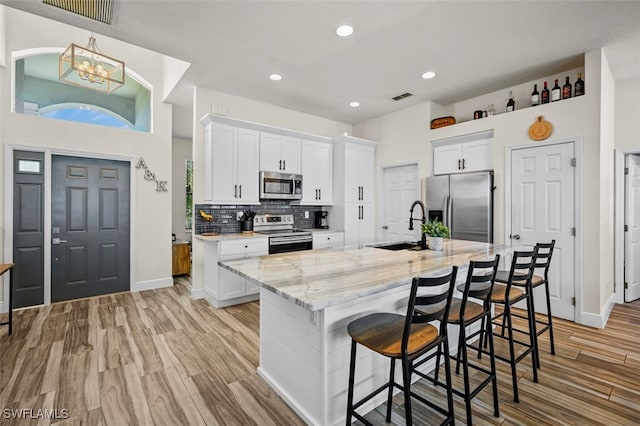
x=306, y=214
x=239, y=215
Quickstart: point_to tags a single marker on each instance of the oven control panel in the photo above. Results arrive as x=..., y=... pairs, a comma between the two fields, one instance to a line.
x=273, y=219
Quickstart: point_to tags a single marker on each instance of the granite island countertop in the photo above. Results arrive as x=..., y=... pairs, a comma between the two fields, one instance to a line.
x=317, y=279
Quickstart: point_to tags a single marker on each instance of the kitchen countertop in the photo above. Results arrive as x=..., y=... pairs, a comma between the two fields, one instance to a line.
x=317, y=279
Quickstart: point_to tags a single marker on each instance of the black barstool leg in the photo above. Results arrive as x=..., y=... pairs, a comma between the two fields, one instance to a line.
x=534, y=328
x=447, y=373
x=437, y=372
x=465, y=368
x=461, y=346
x=352, y=370
x=391, y=381
x=532, y=337
x=512, y=356
x=482, y=325
x=549, y=316
x=406, y=379
x=492, y=360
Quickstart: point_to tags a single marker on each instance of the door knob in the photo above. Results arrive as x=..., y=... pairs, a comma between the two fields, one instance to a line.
x=385, y=227
x=515, y=237
x=56, y=241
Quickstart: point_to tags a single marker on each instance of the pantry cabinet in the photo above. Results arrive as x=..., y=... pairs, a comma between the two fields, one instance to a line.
x=317, y=173
x=231, y=164
x=354, y=176
x=469, y=153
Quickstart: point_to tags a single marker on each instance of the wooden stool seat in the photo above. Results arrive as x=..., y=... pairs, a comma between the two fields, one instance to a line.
x=499, y=294
x=382, y=333
x=471, y=312
x=503, y=277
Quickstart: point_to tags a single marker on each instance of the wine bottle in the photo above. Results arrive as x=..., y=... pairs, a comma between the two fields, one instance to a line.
x=566, y=89
x=578, y=87
x=511, y=103
x=555, y=92
x=545, y=94
x=535, y=96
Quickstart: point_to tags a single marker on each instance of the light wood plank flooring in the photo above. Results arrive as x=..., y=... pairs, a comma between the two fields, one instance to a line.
x=159, y=357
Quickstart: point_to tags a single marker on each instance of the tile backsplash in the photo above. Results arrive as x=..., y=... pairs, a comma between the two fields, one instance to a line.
x=225, y=215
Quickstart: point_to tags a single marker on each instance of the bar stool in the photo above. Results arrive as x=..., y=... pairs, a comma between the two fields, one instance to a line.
x=3, y=269
x=522, y=267
x=543, y=260
x=406, y=338
x=465, y=313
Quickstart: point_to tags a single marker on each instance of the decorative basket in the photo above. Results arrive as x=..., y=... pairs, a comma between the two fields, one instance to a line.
x=436, y=123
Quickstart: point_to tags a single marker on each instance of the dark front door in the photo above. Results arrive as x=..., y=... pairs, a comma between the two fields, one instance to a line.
x=90, y=227
x=28, y=228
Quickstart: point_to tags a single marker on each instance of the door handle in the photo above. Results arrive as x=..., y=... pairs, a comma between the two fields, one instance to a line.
x=235, y=191
x=240, y=196
x=515, y=237
x=56, y=241
x=385, y=227
x=279, y=164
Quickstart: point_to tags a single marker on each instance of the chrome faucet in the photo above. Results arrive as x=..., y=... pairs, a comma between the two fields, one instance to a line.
x=423, y=240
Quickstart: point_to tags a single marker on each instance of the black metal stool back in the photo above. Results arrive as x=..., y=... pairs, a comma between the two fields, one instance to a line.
x=543, y=258
x=523, y=265
x=479, y=286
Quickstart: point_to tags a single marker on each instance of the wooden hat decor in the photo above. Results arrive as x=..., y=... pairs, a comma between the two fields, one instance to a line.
x=436, y=123
x=540, y=129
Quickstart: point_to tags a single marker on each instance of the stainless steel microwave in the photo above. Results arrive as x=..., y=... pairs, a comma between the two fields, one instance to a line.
x=280, y=186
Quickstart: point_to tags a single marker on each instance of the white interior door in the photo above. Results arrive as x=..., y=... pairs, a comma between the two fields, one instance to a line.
x=401, y=187
x=542, y=209
x=632, y=234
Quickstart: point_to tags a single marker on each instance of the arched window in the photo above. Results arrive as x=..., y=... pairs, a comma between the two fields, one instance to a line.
x=38, y=91
x=84, y=113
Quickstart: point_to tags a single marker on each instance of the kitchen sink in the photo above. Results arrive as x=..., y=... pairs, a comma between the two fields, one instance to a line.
x=400, y=246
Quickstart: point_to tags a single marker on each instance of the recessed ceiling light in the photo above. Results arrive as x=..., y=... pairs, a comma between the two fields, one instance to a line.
x=354, y=104
x=275, y=77
x=344, y=30
x=429, y=74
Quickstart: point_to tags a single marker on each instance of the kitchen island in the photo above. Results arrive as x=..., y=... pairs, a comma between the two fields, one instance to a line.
x=307, y=298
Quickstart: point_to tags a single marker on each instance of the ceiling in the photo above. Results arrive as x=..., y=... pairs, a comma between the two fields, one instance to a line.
x=476, y=47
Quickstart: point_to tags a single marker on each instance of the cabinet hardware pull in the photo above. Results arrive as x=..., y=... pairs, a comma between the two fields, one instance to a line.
x=279, y=164
x=463, y=164
x=458, y=164
x=284, y=164
x=319, y=194
x=240, y=192
x=235, y=191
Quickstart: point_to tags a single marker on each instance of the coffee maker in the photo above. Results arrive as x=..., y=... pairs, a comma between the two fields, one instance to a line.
x=321, y=220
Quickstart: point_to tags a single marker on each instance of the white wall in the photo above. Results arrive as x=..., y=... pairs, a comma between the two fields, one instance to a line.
x=152, y=222
x=404, y=136
x=250, y=110
x=182, y=151
x=628, y=114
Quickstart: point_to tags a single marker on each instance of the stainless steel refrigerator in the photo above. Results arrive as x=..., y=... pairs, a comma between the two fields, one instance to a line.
x=464, y=202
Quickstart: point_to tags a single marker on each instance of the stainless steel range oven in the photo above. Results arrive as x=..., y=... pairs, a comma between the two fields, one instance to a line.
x=283, y=237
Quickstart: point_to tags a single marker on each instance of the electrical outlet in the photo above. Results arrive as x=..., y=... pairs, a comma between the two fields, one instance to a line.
x=306, y=214
x=239, y=215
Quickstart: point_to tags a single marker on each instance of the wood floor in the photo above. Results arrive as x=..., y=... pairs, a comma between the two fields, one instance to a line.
x=159, y=357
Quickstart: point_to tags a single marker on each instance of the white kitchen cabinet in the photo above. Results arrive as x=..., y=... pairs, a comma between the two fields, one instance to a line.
x=468, y=153
x=230, y=164
x=354, y=176
x=327, y=240
x=223, y=287
x=317, y=173
x=279, y=153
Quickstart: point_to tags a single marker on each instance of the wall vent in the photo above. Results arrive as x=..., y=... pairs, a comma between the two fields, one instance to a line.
x=404, y=95
x=98, y=10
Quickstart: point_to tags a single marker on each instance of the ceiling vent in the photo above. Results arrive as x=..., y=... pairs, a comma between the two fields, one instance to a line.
x=98, y=10
x=404, y=95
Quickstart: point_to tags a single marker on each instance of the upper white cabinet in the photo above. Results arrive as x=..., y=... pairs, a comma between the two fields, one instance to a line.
x=317, y=173
x=468, y=153
x=279, y=153
x=359, y=172
x=231, y=161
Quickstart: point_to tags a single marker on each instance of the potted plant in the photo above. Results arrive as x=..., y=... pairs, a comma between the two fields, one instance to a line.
x=437, y=231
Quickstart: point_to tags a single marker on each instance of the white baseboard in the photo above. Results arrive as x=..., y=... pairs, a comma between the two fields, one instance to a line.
x=197, y=294
x=228, y=302
x=152, y=284
x=599, y=320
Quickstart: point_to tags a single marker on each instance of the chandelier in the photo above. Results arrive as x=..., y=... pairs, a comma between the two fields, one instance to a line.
x=88, y=67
